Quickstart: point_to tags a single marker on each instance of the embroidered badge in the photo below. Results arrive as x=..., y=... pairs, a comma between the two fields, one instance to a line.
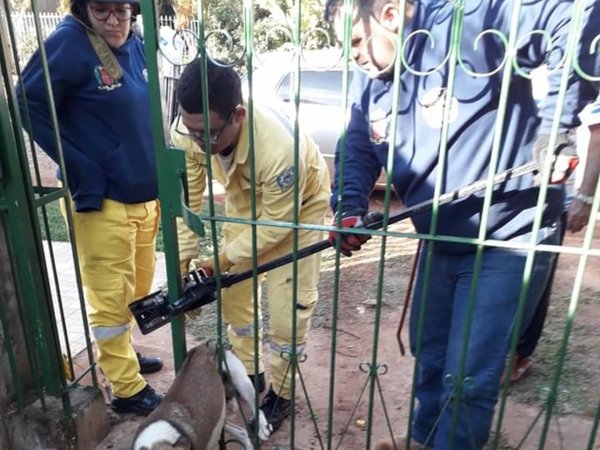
x=286, y=178
x=379, y=126
x=432, y=107
x=104, y=80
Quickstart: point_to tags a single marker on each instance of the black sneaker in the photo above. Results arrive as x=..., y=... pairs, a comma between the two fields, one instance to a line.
x=276, y=409
x=262, y=385
x=142, y=403
x=149, y=364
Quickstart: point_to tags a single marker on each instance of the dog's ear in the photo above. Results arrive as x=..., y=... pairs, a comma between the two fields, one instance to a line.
x=211, y=345
x=228, y=384
x=183, y=443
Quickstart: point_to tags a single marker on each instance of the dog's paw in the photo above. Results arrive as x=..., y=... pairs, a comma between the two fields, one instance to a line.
x=264, y=428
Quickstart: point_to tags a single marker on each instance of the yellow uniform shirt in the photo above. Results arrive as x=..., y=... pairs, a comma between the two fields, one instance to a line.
x=274, y=181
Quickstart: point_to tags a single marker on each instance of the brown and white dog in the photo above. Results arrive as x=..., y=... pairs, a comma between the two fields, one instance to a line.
x=193, y=413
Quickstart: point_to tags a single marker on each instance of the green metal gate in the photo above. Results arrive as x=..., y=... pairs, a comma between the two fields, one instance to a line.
x=28, y=206
x=324, y=420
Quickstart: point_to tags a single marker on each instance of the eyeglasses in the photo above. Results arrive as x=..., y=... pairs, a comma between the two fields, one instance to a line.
x=102, y=13
x=199, y=136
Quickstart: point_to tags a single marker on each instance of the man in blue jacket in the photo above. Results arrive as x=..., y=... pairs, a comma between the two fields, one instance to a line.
x=441, y=116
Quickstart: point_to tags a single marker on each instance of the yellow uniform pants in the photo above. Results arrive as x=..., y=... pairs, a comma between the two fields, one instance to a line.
x=116, y=250
x=238, y=304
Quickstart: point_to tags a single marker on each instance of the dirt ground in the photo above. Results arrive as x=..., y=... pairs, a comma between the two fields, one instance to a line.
x=361, y=326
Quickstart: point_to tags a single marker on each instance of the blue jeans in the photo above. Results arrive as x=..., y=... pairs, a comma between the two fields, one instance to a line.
x=444, y=332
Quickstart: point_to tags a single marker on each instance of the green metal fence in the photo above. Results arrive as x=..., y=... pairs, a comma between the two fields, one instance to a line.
x=29, y=206
x=374, y=404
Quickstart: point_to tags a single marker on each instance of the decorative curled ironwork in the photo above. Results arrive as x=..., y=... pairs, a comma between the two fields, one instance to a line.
x=287, y=356
x=379, y=369
x=181, y=48
x=478, y=39
x=224, y=49
x=283, y=30
x=593, y=48
x=228, y=45
x=527, y=37
x=449, y=381
x=405, y=63
x=185, y=43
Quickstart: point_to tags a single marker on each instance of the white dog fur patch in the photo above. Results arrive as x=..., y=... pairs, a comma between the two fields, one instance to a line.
x=158, y=431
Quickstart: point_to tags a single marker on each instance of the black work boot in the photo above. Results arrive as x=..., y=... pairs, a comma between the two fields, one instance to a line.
x=142, y=403
x=276, y=409
x=149, y=364
x=262, y=385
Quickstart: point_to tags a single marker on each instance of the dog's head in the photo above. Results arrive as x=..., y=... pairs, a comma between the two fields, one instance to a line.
x=181, y=444
x=162, y=435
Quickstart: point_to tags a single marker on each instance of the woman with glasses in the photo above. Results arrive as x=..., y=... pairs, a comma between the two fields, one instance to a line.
x=98, y=77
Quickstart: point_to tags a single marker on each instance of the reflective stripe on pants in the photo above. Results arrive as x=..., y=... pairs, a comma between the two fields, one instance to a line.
x=238, y=305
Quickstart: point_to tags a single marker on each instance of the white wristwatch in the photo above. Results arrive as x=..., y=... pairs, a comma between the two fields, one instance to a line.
x=587, y=199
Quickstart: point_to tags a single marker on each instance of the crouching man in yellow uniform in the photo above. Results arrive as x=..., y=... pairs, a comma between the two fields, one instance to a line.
x=229, y=136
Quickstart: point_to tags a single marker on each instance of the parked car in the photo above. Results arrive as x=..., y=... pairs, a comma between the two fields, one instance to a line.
x=321, y=111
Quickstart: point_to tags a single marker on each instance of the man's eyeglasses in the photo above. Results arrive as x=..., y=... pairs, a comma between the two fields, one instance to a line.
x=199, y=136
x=102, y=13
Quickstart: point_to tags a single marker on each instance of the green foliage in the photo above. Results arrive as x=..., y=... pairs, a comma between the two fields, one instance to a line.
x=20, y=5
x=224, y=25
x=63, y=7
x=274, y=27
x=26, y=48
x=54, y=228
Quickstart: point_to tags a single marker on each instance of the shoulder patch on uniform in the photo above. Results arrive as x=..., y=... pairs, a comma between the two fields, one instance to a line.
x=286, y=178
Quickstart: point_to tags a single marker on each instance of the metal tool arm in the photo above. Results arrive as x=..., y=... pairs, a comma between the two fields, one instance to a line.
x=155, y=310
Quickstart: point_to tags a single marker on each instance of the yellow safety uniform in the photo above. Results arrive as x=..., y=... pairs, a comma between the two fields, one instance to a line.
x=116, y=248
x=274, y=187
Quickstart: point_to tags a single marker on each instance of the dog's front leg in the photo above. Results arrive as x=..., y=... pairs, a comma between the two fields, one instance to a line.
x=240, y=434
x=241, y=382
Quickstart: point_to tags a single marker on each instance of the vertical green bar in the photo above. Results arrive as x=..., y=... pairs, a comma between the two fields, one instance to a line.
x=26, y=251
x=170, y=173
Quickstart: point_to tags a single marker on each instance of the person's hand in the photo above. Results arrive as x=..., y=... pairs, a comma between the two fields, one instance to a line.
x=564, y=157
x=203, y=273
x=193, y=314
x=357, y=218
x=209, y=264
x=578, y=215
x=184, y=266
